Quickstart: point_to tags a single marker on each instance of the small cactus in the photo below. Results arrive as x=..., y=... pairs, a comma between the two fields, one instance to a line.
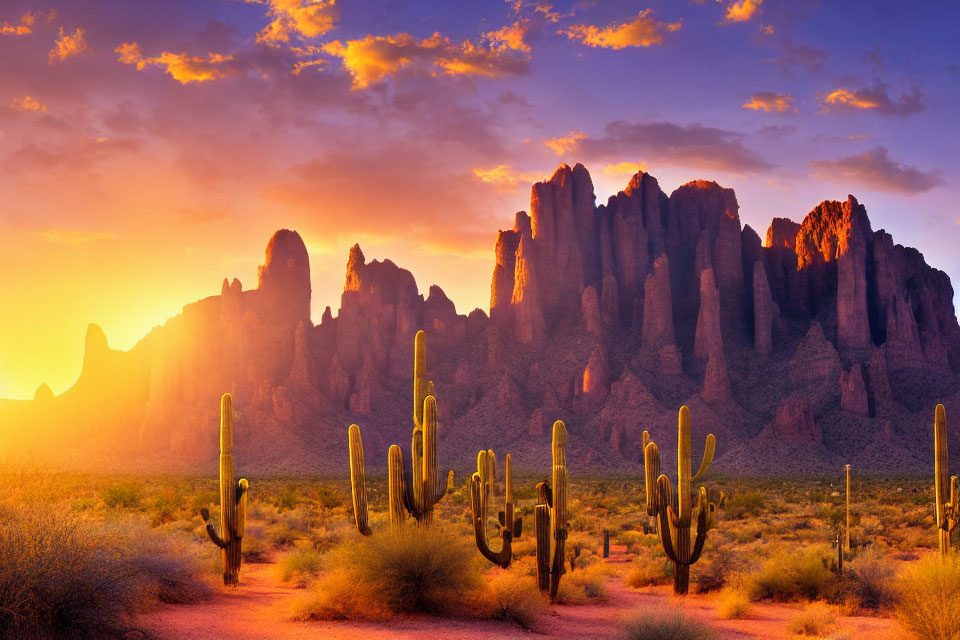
x=481, y=489
x=948, y=508
x=675, y=515
x=846, y=541
x=551, y=517
x=419, y=490
x=233, y=501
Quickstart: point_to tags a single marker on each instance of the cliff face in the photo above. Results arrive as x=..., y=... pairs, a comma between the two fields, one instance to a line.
x=825, y=342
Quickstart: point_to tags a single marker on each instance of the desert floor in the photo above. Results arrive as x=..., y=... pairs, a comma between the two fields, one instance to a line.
x=258, y=610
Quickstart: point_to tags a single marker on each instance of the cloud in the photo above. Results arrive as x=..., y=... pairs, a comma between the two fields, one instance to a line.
x=769, y=101
x=625, y=169
x=562, y=144
x=511, y=36
x=28, y=103
x=375, y=58
x=27, y=23
x=643, y=31
x=303, y=18
x=68, y=45
x=505, y=177
x=742, y=11
x=875, y=169
x=767, y=29
x=73, y=237
x=182, y=67
x=875, y=99
x=692, y=145
x=800, y=55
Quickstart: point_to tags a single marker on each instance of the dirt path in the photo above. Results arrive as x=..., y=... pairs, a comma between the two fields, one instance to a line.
x=257, y=610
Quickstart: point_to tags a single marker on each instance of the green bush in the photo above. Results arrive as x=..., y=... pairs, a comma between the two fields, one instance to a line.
x=125, y=495
x=647, y=625
x=788, y=576
x=929, y=598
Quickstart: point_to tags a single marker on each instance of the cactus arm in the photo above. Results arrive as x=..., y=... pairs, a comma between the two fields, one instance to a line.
x=705, y=511
x=450, y=482
x=709, y=450
x=242, y=488
x=542, y=525
x=395, y=486
x=420, y=383
x=212, y=529
x=683, y=468
x=357, y=481
x=431, y=477
x=646, y=440
x=651, y=469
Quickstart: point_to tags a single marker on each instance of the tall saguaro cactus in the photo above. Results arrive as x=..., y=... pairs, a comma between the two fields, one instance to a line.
x=551, y=517
x=481, y=488
x=676, y=514
x=415, y=491
x=233, y=500
x=948, y=508
x=846, y=534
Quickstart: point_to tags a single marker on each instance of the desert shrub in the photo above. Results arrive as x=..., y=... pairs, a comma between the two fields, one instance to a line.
x=648, y=625
x=516, y=598
x=584, y=586
x=788, y=576
x=714, y=568
x=929, y=598
x=870, y=580
x=63, y=577
x=299, y=564
x=815, y=620
x=124, y=495
x=287, y=499
x=745, y=503
x=648, y=571
x=426, y=570
x=734, y=605
x=254, y=547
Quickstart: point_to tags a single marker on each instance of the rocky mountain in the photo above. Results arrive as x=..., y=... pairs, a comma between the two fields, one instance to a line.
x=821, y=344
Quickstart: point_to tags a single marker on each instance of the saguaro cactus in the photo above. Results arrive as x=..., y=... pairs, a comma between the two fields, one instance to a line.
x=481, y=488
x=551, y=517
x=675, y=515
x=233, y=500
x=415, y=491
x=948, y=507
x=846, y=533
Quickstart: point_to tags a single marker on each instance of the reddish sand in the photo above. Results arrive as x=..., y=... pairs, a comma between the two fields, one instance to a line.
x=258, y=610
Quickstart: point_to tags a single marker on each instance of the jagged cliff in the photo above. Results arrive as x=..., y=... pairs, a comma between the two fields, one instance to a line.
x=824, y=343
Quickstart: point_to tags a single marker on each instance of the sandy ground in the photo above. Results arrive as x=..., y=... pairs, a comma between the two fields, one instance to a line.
x=257, y=610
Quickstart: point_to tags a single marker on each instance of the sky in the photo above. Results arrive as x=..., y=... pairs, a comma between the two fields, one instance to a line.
x=150, y=149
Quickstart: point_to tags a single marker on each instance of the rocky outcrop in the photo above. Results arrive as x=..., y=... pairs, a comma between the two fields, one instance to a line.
x=815, y=361
x=853, y=391
x=708, y=339
x=794, y=422
x=658, y=327
x=763, y=311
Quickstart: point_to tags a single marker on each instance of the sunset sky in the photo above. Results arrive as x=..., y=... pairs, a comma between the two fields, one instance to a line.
x=150, y=149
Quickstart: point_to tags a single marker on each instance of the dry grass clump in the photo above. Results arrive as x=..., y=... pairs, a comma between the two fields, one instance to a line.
x=516, y=598
x=929, y=598
x=815, y=620
x=300, y=565
x=649, y=625
x=870, y=580
x=584, y=586
x=734, y=605
x=648, y=571
x=413, y=570
x=64, y=577
x=792, y=575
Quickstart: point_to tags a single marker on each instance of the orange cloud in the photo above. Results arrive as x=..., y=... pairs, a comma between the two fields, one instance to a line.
x=621, y=169
x=27, y=23
x=505, y=177
x=563, y=144
x=770, y=102
x=28, y=103
x=180, y=66
x=548, y=13
x=68, y=45
x=766, y=29
x=875, y=99
x=643, y=31
x=510, y=36
x=742, y=11
x=305, y=18
x=375, y=58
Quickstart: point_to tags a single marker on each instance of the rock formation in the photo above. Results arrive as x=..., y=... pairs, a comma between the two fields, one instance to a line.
x=802, y=348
